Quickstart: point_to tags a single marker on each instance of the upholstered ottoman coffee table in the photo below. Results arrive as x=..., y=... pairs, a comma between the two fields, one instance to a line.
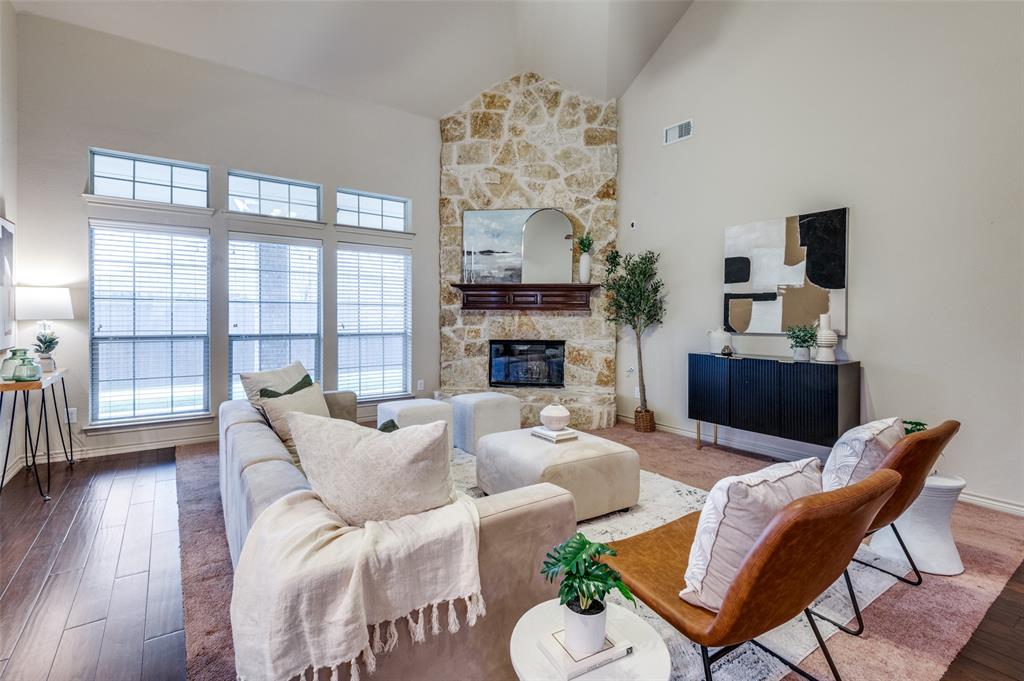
x=602, y=475
x=479, y=414
x=416, y=412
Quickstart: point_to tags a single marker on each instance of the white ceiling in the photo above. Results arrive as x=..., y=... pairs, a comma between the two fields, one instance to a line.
x=422, y=56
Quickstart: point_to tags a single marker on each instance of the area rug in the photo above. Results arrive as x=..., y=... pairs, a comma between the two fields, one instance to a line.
x=663, y=500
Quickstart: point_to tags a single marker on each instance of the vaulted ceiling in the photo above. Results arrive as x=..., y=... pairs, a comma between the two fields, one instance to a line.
x=422, y=56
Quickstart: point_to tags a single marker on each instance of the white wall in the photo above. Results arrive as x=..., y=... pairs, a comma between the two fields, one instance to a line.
x=908, y=113
x=82, y=89
x=8, y=160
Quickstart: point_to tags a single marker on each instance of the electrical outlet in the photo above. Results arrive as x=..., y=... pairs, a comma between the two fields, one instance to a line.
x=419, y=384
x=636, y=392
x=71, y=416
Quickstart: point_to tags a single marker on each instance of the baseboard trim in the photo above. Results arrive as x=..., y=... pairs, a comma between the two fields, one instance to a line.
x=995, y=504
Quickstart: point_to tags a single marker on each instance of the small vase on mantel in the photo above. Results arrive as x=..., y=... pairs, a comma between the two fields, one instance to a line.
x=827, y=339
x=585, y=263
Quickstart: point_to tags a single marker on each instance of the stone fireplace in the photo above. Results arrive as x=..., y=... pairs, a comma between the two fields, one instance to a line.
x=529, y=143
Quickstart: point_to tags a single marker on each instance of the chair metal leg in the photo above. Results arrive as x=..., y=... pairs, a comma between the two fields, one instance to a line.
x=918, y=577
x=707, y=663
x=856, y=611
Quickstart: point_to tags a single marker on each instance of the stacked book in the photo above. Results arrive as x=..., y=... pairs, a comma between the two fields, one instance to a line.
x=570, y=666
x=556, y=436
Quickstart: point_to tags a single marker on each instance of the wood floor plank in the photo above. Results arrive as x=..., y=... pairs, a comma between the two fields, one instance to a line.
x=145, y=479
x=164, y=610
x=121, y=650
x=163, y=658
x=93, y=595
x=37, y=645
x=138, y=533
x=20, y=597
x=78, y=653
x=118, y=501
x=165, y=506
x=76, y=546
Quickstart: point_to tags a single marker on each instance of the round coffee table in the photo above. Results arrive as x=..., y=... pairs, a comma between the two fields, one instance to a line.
x=925, y=529
x=650, y=660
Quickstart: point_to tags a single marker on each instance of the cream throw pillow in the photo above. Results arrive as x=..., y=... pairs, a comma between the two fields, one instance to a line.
x=278, y=380
x=860, y=451
x=307, y=401
x=737, y=510
x=363, y=474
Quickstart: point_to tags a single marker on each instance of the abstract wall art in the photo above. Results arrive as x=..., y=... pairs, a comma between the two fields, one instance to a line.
x=784, y=272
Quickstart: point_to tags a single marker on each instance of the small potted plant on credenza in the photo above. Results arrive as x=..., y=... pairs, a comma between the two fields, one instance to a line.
x=802, y=338
x=585, y=583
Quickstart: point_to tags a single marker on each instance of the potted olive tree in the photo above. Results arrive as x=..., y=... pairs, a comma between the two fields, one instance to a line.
x=636, y=298
x=585, y=583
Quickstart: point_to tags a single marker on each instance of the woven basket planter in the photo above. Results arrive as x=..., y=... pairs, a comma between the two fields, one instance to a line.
x=643, y=421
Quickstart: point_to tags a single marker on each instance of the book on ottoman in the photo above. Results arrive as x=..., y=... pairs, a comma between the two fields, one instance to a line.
x=554, y=648
x=556, y=436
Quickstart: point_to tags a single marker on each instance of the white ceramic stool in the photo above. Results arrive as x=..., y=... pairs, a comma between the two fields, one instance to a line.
x=416, y=412
x=479, y=414
x=925, y=529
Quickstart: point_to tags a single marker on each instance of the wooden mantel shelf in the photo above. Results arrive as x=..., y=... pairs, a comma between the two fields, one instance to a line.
x=543, y=297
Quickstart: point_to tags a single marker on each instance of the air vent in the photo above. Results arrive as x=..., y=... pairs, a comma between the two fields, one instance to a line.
x=677, y=132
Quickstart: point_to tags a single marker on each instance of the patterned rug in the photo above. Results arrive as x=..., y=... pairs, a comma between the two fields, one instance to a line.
x=663, y=500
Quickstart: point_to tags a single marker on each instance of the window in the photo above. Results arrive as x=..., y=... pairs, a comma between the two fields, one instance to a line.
x=148, y=179
x=273, y=305
x=374, y=320
x=149, y=306
x=273, y=197
x=357, y=209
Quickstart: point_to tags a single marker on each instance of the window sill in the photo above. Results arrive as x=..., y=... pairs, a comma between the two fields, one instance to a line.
x=238, y=216
x=113, y=201
x=373, y=401
x=148, y=423
x=373, y=231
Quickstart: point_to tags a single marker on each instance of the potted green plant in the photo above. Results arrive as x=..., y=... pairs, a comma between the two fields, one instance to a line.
x=585, y=583
x=46, y=343
x=802, y=338
x=636, y=298
x=585, y=242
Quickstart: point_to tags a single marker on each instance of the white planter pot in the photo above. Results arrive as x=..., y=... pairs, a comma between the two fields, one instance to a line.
x=46, y=362
x=585, y=268
x=802, y=354
x=584, y=634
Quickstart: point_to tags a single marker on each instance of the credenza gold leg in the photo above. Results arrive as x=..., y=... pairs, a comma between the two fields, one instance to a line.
x=698, y=435
x=716, y=434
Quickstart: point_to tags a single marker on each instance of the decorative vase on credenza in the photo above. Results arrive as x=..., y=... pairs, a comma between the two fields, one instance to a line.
x=718, y=339
x=827, y=339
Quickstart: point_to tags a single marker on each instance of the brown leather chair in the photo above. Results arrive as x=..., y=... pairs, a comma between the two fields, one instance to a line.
x=804, y=549
x=914, y=459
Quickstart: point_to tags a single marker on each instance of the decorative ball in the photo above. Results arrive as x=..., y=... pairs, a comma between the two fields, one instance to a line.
x=554, y=417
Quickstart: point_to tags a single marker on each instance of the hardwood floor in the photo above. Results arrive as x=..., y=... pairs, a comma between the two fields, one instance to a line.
x=994, y=652
x=90, y=583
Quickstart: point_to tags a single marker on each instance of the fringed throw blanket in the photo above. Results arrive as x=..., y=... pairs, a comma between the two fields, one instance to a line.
x=311, y=593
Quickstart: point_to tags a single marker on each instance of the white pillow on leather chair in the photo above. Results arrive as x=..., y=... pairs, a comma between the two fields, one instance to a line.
x=860, y=451
x=737, y=510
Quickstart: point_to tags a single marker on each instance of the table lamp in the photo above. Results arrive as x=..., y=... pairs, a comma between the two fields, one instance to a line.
x=43, y=303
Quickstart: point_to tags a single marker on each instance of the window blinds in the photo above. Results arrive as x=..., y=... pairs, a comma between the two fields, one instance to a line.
x=374, y=320
x=149, y=306
x=273, y=306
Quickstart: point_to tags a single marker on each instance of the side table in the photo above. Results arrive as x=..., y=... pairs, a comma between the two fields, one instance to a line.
x=925, y=529
x=649, y=662
x=23, y=389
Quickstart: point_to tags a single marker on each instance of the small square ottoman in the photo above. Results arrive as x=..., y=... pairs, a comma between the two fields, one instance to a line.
x=479, y=414
x=602, y=475
x=416, y=412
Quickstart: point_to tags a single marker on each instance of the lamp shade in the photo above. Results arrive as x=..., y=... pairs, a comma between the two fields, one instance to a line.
x=43, y=302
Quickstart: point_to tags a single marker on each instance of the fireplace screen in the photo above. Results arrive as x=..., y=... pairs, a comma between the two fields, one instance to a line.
x=528, y=363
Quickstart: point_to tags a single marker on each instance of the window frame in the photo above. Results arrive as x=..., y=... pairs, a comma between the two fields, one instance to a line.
x=406, y=213
x=407, y=335
x=93, y=377
x=317, y=337
x=245, y=174
x=170, y=163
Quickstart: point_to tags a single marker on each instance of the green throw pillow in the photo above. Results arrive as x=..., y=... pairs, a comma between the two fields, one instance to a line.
x=304, y=382
x=388, y=426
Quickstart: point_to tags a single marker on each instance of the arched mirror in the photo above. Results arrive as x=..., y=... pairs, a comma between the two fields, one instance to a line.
x=516, y=246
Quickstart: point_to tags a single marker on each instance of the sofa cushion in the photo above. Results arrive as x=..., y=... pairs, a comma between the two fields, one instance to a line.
x=277, y=380
x=737, y=510
x=860, y=451
x=363, y=474
x=308, y=401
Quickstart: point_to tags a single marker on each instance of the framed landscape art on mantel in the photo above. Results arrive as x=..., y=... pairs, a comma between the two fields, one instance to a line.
x=785, y=272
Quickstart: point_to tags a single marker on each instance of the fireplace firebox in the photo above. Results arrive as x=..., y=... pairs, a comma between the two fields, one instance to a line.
x=530, y=363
